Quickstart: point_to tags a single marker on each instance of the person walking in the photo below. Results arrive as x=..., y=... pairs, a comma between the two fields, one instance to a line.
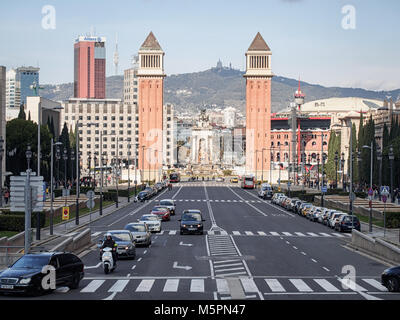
x=6, y=196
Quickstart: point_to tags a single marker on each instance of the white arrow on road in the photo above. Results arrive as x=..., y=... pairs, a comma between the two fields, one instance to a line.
x=181, y=267
x=185, y=244
x=94, y=267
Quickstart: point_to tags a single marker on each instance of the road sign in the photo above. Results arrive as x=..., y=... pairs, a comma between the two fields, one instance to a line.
x=385, y=190
x=17, y=193
x=370, y=192
x=324, y=189
x=90, y=194
x=90, y=204
x=65, y=213
x=384, y=198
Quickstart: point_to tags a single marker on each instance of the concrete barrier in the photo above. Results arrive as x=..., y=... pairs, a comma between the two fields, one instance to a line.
x=75, y=244
x=7, y=259
x=376, y=247
x=3, y=243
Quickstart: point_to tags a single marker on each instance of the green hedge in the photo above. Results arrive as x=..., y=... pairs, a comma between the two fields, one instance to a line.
x=393, y=219
x=16, y=221
x=110, y=196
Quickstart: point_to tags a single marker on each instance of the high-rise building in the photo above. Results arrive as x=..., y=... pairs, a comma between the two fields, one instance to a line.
x=169, y=136
x=258, y=106
x=131, y=86
x=3, y=116
x=150, y=104
x=18, y=85
x=90, y=67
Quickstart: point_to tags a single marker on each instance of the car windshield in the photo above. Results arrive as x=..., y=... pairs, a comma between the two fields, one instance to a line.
x=31, y=262
x=136, y=227
x=348, y=219
x=265, y=188
x=191, y=217
x=159, y=209
x=166, y=203
x=148, y=218
x=120, y=236
x=142, y=193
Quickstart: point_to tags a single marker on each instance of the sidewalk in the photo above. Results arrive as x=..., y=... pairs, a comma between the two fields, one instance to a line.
x=69, y=228
x=391, y=235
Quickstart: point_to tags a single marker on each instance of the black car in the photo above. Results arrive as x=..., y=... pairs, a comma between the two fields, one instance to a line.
x=143, y=195
x=346, y=223
x=391, y=279
x=191, y=221
x=126, y=244
x=25, y=275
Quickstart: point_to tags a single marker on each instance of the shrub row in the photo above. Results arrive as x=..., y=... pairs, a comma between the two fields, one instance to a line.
x=16, y=221
x=393, y=219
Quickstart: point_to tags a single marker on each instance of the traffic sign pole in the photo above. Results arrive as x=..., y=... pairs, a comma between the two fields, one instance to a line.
x=27, y=213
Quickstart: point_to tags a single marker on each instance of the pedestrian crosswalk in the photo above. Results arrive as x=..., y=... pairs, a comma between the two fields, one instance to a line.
x=226, y=201
x=267, y=286
x=248, y=233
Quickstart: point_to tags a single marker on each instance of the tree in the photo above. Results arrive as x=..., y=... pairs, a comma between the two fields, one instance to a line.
x=21, y=114
x=333, y=147
x=385, y=161
x=64, y=139
x=355, y=166
x=29, y=116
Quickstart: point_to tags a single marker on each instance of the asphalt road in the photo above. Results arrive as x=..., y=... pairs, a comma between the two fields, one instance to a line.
x=251, y=250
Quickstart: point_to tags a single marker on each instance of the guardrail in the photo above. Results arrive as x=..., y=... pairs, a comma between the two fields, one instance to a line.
x=7, y=258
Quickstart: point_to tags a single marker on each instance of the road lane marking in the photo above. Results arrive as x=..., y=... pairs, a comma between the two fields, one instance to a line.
x=338, y=235
x=171, y=285
x=236, y=233
x=274, y=285
x=349, y=284
x=294, y=247
x=287, y=234
x=249, y=233
x=93, y=286
x=274, y=233
x=312, y=234
x=119, y=286
x=94, y=267
x=228, y=265
x=133, y=267
x=301, y=285
x=249, y=285
x=303, y=253
x=140, y=259
x=179, y=190
x=234, y=274
x=325, y=234
x=326, y=269
x=261, y=233
x=376, y=284
x=222, y=286
x=313, y=260
x=225, y=261
x=145, y=286
x=197, y=285
x=255, y=208
x=172, y=232
x=229, y=269
x=326, y=285
x=300, y=234
x=144, y=252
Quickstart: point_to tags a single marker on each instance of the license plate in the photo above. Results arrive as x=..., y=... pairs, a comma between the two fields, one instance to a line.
x=6, y=286
x=191, y=229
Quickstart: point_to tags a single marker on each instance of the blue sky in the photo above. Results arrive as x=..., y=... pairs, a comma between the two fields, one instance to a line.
x=306, y=36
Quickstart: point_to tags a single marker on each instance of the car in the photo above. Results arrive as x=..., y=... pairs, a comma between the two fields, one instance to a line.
x=25, y=275
x=234, y=180
x=151, y=191
x=191, y=221
x=390, y=279
x=140, y=233
x=347, y=223
x=329, y=214
x=334, y=219
x=316, y=212
x=126, y=245
x=286, y=203
x=220, y=179
x=142, y=196
x=306, y=207
x=152, y=221
x=275, y=197
x=265, y=191
x=292, y=204
x=170, y=204
x=322, y=216
x=161, y=211
x=297, y=208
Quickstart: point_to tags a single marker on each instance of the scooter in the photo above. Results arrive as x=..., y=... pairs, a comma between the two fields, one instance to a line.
x=108, y=261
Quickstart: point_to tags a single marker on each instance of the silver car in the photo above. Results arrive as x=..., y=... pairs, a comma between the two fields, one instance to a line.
x=140, y=233
x=152, y=221
x=170, y=204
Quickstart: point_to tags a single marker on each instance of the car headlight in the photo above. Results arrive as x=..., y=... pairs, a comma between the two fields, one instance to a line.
x=126, y=248
x=199, y=225
x=184, y=225
x=25, y=281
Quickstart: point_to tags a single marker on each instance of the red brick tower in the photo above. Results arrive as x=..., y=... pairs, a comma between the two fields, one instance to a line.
x=258, y=107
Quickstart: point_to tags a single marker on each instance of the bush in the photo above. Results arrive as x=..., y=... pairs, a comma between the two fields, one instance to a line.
x=393, y=219
x=16, y=221
x=110, y=196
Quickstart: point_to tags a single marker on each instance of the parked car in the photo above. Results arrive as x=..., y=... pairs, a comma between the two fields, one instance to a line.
x=126, y=246
x=151, y=192
x=390, y=279
x=152, y=221
x=306, y=207
x=334, y=219
x=191, y=221
x=25, y=275
x=292, y=204
x=170, y=204
x=161, y=211
x=329, y=216
x=275, y=197
x=322, y=216
x=347, y=223
x=142, y=196
x=220, y=179
x=315, y=214
x=298, y=206
x=140, y=233
x=265, y=191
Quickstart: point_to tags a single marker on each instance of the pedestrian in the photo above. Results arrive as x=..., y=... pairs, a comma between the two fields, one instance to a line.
x=6, y=196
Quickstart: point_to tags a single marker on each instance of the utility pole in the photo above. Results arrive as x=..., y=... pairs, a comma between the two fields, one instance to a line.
x=351, y=172
x=322, y=169
x=78, y=180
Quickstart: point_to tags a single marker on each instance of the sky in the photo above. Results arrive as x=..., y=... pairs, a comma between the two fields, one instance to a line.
x=311, y=39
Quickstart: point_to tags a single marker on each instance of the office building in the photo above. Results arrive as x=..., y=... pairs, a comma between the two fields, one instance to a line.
x=18, y=85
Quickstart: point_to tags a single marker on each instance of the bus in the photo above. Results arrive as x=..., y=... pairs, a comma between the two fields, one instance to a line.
x=174, y=177
x=248, y=182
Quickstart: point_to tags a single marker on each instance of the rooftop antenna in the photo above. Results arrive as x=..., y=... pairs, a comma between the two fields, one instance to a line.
x=116, y=55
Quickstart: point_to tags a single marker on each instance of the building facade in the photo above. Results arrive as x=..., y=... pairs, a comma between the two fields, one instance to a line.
x=90, y=68
x=116, y=120
x=258, y=104
x=150, y=105
x=169, y=136
x=18, y=85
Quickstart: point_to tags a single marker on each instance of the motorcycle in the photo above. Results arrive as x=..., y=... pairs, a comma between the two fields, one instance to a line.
x=108, y=261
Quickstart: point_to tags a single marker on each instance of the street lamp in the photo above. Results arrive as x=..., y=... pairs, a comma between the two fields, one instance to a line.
x=51, y=184
x=28, y=200
x=379, y=158
x=262, y=166
x=336, y=165
x=65, y=157
x=359, y=160
x=342, y=163
x=58, y=157
x=72, y=166
x=391, y=158
x=318, y=171
x=89, y=165
x=370, y=182
x=28, y=155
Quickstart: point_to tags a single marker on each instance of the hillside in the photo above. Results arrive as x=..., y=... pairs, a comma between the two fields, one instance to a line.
x=223, y=87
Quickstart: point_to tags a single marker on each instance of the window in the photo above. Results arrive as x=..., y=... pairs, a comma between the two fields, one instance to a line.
x=121, y=132
x=105, y=118
x=88, y=118
x=113, y=118
x=97, y=118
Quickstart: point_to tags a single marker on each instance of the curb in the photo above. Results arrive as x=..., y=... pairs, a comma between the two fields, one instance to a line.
x=375, y=256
